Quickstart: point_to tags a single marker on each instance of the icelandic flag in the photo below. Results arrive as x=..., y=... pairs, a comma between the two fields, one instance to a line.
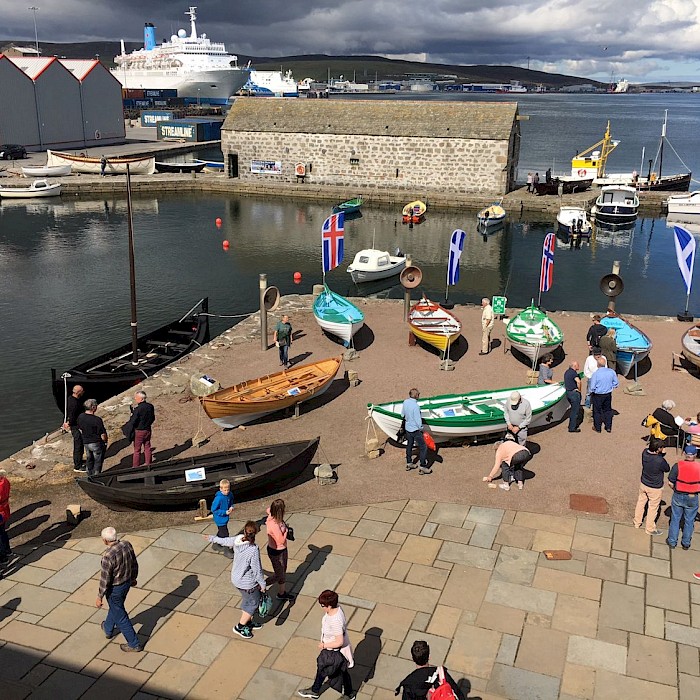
x=685, y=252
x=332, y=241
x=547, y=269
x=456, y=246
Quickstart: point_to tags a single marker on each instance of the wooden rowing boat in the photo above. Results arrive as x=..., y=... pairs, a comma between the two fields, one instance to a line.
x=115, y=165
x=337, y=315
x=253, y=472
x=533, y=333
x=255, y=398
x=413, y=212
x=691, y=345
x=351, y=206
x=455, y=416
x=434, y=324
x=633, y=345
x=491, y=217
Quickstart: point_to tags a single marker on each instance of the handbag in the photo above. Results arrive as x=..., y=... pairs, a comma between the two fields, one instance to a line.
x=401, y=435
x=290, y=533
x=264, y=605
x=129, y=430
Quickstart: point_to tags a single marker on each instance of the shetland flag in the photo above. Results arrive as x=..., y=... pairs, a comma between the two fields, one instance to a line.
x=456, y=246
x=547, y=269
x=685, y=252
x=332, y=241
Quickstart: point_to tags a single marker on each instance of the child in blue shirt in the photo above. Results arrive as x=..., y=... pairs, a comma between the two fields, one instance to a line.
x=221, y=509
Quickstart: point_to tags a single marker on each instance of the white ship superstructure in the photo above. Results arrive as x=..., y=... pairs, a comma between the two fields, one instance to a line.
x=622, y=86
x=271, y=83
x=193, y=65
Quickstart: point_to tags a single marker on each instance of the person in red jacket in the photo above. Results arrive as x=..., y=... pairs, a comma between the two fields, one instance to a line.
x=684, y=477
x=277, y=532
x=5, y=550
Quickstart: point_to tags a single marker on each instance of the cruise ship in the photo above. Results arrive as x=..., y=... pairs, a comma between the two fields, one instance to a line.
x=193, y=65
x=271, y=83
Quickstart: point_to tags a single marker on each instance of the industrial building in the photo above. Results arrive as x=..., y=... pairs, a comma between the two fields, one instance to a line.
x=363, y=144
x=59, y=103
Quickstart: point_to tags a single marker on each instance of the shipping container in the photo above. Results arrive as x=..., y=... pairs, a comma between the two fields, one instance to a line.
x=151, y=117
x=133, y=94
x=190, y=130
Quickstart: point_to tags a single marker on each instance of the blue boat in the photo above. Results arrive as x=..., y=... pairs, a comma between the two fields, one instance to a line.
x=633, y=345
x=337, y=315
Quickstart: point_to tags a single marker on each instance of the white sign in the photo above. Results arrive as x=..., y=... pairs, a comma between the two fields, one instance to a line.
x=266, y=167
x=196, y=474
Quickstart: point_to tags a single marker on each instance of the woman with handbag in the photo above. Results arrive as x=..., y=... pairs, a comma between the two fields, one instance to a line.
x=278, y=533
x=246, y=575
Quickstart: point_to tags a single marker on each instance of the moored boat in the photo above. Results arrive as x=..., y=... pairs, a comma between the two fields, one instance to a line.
x=684, y=203
x=337, y=315
x=255, y=471
x=255, y=398
x=38, y=188
x=633, y=345
x=372, y=264
x=576, y=216
x=414, y=212
x=46, y=170
x=433, y=324
x=188, y=166
x=691, y=345
x=350, y=206
x=491, y=217
x=115, y=165
x=568, y=185
x=113, y=372
x=455, y=416
x=534, y=333
x=616, y=204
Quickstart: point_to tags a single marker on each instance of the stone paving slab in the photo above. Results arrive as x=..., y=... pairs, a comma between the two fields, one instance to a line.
x=75, y=573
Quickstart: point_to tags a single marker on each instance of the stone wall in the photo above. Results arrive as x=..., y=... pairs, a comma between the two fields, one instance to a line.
x=360, y=163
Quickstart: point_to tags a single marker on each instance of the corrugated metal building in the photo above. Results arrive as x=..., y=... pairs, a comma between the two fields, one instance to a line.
x=18, y=122
x=62, y=103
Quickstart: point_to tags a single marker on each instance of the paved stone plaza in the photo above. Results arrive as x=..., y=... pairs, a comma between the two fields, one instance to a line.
x=620, y=620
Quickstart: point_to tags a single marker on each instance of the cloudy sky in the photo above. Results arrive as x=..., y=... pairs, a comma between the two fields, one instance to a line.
x=634, y=39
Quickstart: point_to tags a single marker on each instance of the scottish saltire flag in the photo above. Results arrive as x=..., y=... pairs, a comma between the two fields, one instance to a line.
x=456, y=246
x=547, y=269
x=685, y=252
x=332, y=241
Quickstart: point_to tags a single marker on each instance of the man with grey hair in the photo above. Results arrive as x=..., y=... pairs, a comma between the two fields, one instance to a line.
x=518, y=415
x=119, y=572
x=143, y=416
x=94, y=437
x=487, y=321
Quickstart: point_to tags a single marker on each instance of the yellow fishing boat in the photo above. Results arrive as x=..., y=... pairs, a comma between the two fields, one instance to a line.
x=434, y=324
x=414, y=211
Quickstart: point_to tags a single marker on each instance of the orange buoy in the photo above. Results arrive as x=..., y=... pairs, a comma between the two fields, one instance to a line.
x=225, y=244
x=297, y=277
x=218, y=222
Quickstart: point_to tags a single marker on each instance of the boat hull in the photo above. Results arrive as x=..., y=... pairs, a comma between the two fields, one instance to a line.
x=533, y=333
x=633, y=345
x=254, y=472
x=53, y=190
x=569, y=186
x=190, y=167
x=615, y=213
x=684, y=204
x=337, y=316
x=691, y=345
x=47, y=171
x=214, y=84
x=433, y=324
x=114, y=166
x=343, y=331
x=532, y=352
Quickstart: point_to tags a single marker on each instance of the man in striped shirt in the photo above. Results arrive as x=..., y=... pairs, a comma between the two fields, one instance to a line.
x=119, y=573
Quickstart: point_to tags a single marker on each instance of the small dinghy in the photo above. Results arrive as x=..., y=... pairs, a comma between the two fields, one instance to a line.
x=47, y=170
x=177, y=484
x=372, y=264
x=533, y=333
x=576, y=217
x=491, y=217
x=414, y=212
x=185, y=166
x=337, y=316
x=633, y=345
x=455, y=416
x=351, y=206
x=433, y=324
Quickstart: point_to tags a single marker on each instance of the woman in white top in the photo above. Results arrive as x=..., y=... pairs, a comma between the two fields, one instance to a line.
x=334, y=637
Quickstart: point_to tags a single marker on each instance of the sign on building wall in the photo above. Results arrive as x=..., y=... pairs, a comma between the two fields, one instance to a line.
x=266, y=167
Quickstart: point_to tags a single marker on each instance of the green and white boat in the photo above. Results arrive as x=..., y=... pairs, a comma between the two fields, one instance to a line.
x=351, y=206
x=455, y=416
x=533, y=333
x=337, y=316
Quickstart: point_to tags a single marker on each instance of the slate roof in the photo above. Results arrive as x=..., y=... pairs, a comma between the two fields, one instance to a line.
x=374, y=117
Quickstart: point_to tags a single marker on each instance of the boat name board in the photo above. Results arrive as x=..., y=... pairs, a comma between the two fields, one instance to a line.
x=196, y=474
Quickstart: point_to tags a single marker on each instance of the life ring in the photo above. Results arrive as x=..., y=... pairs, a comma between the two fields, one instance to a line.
x=582, y=172
x=98, y=136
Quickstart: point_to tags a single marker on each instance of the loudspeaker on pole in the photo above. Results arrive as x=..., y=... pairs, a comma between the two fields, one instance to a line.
x=411, y=277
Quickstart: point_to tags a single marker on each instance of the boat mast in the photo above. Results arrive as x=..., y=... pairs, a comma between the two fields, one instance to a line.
x=661, y=147
x=132, y=272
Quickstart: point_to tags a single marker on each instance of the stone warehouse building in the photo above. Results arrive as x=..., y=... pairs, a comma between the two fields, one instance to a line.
x=387, y=144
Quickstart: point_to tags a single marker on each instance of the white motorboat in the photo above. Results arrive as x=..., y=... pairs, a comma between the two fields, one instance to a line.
x=271, y=83
x=490, y=217
x=616, y=204
x=573, y=215
x=687, y=203
x=372, y=264
x=38, y=188
x=47, y=170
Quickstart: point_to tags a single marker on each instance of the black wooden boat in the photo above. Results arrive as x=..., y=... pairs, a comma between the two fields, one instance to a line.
x=666, y=183
x=569, y=186
x=188, y=166
x=113, y=372
x=253, y=472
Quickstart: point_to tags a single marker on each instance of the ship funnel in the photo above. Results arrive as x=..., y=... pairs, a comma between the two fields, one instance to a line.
x=149, y=36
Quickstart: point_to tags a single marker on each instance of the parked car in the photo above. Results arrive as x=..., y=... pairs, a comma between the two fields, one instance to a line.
x=12, y=151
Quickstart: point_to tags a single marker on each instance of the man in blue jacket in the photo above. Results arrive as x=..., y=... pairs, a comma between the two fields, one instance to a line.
x=414, y=433
x=221, y=509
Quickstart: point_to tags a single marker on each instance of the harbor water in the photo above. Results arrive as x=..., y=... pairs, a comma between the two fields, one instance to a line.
x=64, y=281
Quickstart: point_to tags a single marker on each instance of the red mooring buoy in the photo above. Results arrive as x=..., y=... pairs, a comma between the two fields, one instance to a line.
x=218, y=222
x=225, y=245
x=297, y=277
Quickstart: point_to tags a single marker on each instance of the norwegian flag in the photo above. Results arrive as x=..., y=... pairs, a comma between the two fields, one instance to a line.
x=332, y=241
x=547, y=269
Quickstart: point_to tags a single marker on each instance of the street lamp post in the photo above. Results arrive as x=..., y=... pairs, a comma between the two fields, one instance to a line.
x=34, y=10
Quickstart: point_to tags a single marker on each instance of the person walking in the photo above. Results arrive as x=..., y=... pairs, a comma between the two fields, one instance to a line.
x=572, y=384
x=118, y=573
x=509, y=461
x=546, y=374
x=487, y=321
x=518, y=416
x=74, y=407
x=410, y=410
x=651, y=487
x=589, y=367
x=277, y=533
x=103, y=166
x=143, y=416
x=94, y=436
x=535, y=181
x=5, y=549
x=529, y=182
x=335, y=651
x=246, y=575
x=426, y=677
x=602, y=384
x=221, y=509
x=684, y=478
x=283, y=339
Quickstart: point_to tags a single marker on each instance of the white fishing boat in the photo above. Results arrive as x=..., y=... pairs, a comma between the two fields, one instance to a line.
x=569, y=216
x=456, y=416
x=114, y=165
x=533, y=333
x=38, y=188
x=47, y=170
x=372, y=264
x=192, y=65
x=688, y=203
x=271, y=83
x=337, y=315
x=616, y=204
